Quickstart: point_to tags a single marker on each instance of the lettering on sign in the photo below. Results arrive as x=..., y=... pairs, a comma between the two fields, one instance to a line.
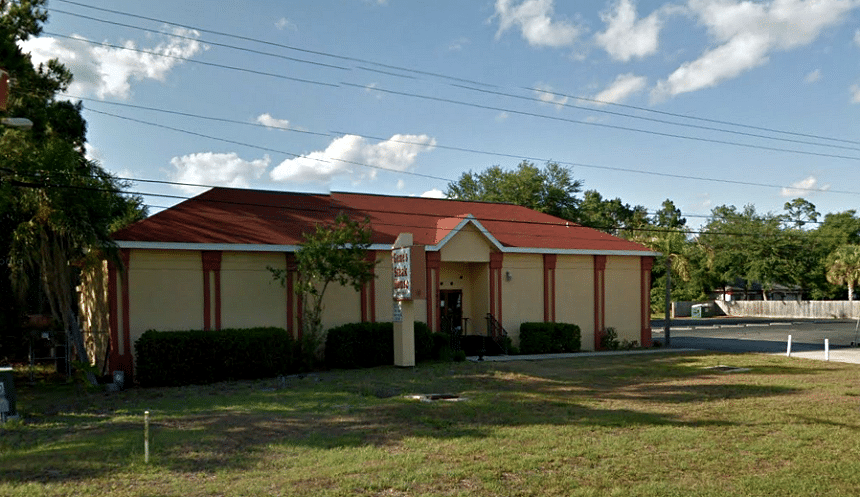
x=402, y=271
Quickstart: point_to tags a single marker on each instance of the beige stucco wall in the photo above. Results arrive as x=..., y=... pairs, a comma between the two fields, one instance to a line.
x=574, y=294
x=341, y=305
x=468, y=245
x=165, y=291
x=250, y=297
x=522, y=297
x=623, y=300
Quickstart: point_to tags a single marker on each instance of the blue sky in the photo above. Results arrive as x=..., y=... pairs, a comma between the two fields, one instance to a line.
x=644, y=100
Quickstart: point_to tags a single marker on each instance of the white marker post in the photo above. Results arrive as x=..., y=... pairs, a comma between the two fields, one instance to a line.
x=788, y=352
x=826, y=349
x=146, y=437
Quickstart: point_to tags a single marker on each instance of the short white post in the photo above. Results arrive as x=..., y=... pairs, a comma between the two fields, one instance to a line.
x=788, y=351
x=826, y=349
x=146, y=437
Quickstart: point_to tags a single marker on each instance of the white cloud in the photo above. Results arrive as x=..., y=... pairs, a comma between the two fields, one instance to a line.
x=855, y=94
x=545, y=94
x=345, y=155
x=623, y=86
x=534, y=19
x=271, y=122
x=746, y=34
x=434, y=193
x=813, y=76
x=625, y=36
x=804, y=188
x=211, y=168
x=458, y=44
x=107, y=71
x=284, y=23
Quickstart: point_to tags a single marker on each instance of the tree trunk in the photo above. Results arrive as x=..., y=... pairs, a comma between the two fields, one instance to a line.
x=850, y=291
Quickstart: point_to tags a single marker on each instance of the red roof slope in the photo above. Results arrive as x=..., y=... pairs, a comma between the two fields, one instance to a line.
x=236, y=216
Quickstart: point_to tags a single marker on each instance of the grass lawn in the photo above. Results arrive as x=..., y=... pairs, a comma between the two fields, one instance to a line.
x=660, y=424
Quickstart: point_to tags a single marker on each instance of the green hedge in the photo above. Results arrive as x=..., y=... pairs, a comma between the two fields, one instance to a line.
x=545, y=338
x=364, y=345
x=168, y=358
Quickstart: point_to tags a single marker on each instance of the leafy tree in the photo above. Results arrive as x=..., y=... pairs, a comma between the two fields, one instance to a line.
x=612, y=216
x=335, y=253
x=843, y=267
x=746, y=245
x=58, y=206
x=669, y=216
x=550, y=190
x=799, y=212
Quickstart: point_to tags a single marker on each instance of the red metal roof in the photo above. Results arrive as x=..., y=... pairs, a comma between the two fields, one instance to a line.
x=237, y=216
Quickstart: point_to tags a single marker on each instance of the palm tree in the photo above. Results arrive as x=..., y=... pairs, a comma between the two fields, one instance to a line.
x=843, y=267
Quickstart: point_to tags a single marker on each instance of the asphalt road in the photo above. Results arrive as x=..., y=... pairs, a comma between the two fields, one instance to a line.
x=758, y=335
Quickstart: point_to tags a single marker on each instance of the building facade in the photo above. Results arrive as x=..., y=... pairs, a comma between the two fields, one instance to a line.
x=205, y=264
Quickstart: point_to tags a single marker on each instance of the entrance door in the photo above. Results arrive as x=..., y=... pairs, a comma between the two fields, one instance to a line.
x=451, y=312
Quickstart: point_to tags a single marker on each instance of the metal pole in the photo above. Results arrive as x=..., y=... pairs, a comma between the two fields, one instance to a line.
x=668, y=323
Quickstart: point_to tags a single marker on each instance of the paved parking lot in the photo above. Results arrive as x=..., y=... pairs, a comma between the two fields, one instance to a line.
x=766, y=336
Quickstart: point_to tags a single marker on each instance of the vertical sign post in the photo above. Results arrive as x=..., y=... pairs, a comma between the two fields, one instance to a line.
x=404, y=307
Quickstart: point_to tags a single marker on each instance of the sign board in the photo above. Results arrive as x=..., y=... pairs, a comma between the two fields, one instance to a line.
x=401, y=261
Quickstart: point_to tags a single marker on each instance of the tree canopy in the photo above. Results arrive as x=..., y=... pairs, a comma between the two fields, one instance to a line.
x=551, y=190
x=57, y=205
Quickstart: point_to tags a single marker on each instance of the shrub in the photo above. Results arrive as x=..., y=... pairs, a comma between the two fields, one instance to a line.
x=364, y=345
x=609, y=339
x=169, y=358
x=543, y=338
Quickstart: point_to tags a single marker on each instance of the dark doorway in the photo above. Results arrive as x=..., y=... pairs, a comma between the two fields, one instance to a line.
x=451, y=312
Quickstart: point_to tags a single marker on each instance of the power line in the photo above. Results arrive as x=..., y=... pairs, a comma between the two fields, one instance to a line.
x=590, y=123
x=445, y=147
x=194, y=133
x=194, y=61
x=208, y=42
x=462, y=80
x=646, y=229
x=280, y=45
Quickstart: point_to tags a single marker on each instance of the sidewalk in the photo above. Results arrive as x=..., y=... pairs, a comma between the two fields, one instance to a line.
x=848, y=355
x=573, y=355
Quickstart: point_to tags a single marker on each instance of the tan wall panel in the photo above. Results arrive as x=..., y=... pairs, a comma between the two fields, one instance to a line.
x=165, y=291
x=623, y=302
x=480, y=275
x=468, y=245
x=249, y=295
x=341, y=305
x=522, y=297
x=574, y=294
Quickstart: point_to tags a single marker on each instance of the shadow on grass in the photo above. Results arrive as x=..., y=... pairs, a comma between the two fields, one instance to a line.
x=232, y=426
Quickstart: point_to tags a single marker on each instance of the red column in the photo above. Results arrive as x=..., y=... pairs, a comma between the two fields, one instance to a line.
x=211, y=262
x=289, y=279
x=549, y=262
x=113, y=316
x=433, y=262
x=599, y=298
x=368, y=293
x=126, y=361
x=645, y=336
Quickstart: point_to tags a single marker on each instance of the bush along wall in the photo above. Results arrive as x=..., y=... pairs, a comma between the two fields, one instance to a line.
x=364, y=345
x=169, y=358
x=548, y=338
